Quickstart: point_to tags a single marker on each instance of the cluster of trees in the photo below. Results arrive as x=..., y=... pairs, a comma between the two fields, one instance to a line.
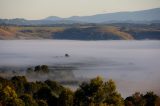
x=138, y=99
x=17, y=91
x=38, y=69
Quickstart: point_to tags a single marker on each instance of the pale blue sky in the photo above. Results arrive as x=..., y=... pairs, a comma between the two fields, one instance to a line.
x=38, y=9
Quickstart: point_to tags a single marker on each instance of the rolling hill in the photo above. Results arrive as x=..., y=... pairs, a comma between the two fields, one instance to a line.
x=144, y=24
x=83, y=32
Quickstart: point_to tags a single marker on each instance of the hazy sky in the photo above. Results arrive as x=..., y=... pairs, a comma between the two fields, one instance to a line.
x=38, y=9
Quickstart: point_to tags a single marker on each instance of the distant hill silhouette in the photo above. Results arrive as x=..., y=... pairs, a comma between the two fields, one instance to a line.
x=53, y=18
x=143, y=16
x=137, y=16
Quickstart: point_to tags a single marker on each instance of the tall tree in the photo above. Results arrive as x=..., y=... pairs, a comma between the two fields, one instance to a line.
x=66, y=98
x=97, y=93
x=112, y=97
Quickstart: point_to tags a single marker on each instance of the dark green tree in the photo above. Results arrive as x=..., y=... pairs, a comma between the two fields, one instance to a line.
x=5, y=82
x=41, y=69
x=129, y=101
x=28, y=100
x=45, y=68
x=19, y=84
x=112, y=97
x=55, y=86
x=98, y=93
x=37, y=68
x=31, y=88
x=90, y=93
x=46, y=94
x=66, y=98
x=135, y=100
x=150, y=98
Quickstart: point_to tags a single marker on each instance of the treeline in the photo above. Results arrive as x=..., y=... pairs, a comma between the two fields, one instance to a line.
x=17, y=91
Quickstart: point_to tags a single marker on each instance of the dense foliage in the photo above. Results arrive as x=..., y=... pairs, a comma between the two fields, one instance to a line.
x=98, y=93
x=17, y=91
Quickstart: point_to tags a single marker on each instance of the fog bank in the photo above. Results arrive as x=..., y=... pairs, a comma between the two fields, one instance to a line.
x=134, y=65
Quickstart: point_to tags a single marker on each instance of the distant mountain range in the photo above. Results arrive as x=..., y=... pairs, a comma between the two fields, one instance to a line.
x=143, y=16
x=136, y=16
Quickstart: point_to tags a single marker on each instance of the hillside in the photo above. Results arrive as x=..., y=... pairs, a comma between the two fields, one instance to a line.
x=82, y=32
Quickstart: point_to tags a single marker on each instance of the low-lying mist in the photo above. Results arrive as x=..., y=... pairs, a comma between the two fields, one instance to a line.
x=134, y=65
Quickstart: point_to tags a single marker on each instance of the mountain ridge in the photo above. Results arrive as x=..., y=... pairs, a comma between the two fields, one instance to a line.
x=142, y=16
